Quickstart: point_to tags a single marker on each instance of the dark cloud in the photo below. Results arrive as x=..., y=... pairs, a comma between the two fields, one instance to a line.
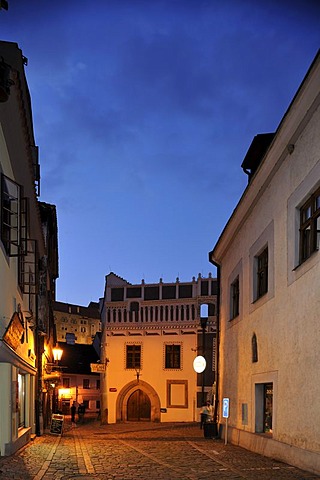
x=143, y=111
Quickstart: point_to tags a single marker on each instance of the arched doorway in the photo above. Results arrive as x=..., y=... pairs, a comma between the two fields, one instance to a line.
x=138, y=407
x=123, y=402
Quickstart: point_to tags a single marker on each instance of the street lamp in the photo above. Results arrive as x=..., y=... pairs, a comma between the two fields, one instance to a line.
x=57, y=354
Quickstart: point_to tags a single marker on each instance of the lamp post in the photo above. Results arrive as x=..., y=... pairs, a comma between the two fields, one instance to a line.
x=57, y=355
x=203, y=323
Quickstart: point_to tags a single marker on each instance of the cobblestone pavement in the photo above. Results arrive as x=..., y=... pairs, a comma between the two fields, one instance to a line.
x=139, y=451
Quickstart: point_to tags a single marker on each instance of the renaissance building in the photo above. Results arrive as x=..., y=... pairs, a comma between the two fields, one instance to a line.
x=151, y=333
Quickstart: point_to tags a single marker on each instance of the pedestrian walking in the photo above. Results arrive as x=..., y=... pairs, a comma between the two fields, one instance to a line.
x=73, y=413
x=206, y=414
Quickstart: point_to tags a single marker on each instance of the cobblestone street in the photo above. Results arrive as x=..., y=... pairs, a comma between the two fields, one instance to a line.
x=139, y=451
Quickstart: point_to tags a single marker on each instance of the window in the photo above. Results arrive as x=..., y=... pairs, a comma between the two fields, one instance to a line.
x=234, y=300
x=21, y=397
x=98, y=384
x=261, y=260
x=168, y=292
x=28, y=268
x=10, y=216
x=254, y=348
x=117, y=294
x=134, y=292
x=310, y=226
x=151, y=293
x=204, y=287
x=86, y=383
x=173, y=356
x=262, y=273
x=185, y=291
x=66, y=382
x=133, y=356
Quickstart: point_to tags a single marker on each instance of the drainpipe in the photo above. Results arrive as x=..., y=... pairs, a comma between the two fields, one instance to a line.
x=216, y=403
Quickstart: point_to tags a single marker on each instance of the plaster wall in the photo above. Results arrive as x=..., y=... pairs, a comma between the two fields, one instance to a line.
x=285, y=320
x=153, y=375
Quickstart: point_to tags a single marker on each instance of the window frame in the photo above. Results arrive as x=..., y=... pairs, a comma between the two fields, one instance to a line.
x=10, y=218
x=309, y=243
x=66, y=382
x=86, y=383
x=133, y=358
x=172, y=356
x=235, y=298
x=265, y=240
x=262, y=273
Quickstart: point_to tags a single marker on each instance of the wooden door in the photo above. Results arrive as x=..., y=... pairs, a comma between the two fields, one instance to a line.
x=138, y=407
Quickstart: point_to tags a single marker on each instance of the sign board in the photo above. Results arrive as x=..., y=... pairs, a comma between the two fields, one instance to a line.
x=98, y=367
x=56, y=424
x=14, y=332
x=112, y=389
x=225, y=408
x=199, y=364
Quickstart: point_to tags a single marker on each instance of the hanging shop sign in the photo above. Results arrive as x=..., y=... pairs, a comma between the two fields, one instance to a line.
x=98, y=367
x=14, y=332
x=199, y=364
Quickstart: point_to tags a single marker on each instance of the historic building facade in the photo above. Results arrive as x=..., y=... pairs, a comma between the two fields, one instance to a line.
x=78, y=383
x=28, y=263
x=151, y=334
x=76, y=323
x=269, y=258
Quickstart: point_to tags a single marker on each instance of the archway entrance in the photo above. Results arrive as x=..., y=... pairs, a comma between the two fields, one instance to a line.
x=126, y=401
x=138, y=407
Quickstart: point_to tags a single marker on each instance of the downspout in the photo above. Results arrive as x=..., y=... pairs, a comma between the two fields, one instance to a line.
x=216, y=403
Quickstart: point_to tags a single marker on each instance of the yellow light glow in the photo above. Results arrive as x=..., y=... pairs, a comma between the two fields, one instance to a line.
x=64, y=392
x=57, y=354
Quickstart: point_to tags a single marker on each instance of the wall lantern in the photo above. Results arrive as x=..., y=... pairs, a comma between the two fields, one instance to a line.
x=57, y=354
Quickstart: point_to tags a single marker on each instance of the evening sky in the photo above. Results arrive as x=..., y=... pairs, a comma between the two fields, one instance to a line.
x=143, y=112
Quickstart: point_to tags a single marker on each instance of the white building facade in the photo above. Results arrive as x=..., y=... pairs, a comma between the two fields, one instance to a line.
x=150, y=336
x=28, y=262
x=269, y=258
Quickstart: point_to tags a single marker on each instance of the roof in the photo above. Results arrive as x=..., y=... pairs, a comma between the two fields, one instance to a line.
x=92, y=311
x=77, y=358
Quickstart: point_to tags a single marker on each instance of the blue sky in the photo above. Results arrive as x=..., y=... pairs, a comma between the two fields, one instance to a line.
x=143, y=112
